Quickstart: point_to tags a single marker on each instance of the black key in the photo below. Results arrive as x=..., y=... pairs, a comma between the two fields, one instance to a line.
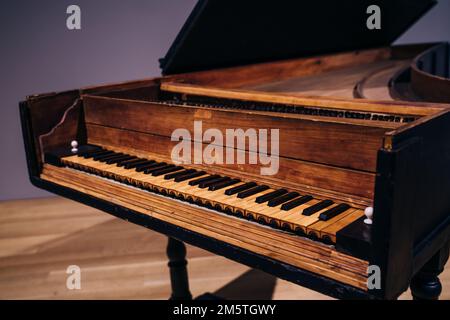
x=277, y=201
x=240, y=188
x=102, y=155
x=317, y=207
x=224, y=184
x=120, y=163
x=333, y=212
x=252, y=191
x=91, y=154
x=111, y=156
x=271, y=195
x=124, y=163
x=131, y=162
x=212, y=182
x=157, y=167
x=152, y=167
x=136, y=163
x=178, y=174
x=201, y=180
x=296, y=202
x=189, y=176
x=122, y=158
x=146, y=165
x=89, y=150
x=167, y=170
x=104, y=158
x=167, y=166
x=126, y=159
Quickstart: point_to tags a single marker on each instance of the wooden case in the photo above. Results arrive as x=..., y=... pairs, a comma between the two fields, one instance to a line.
x=383, y=152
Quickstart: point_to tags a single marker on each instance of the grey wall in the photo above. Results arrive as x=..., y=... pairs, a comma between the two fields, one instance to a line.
x=119, y=40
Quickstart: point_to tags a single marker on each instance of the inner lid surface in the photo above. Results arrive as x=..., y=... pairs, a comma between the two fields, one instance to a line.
x=225, y=33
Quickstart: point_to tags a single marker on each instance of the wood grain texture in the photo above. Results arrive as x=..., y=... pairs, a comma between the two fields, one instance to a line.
x=293, y=250
x=323, y=141
x=351, y=185
x=430, y=78
x=395, y=107
x=45, y=112
x=338, y=83
x=40, y=238
x=265, y=72
x=66, y=130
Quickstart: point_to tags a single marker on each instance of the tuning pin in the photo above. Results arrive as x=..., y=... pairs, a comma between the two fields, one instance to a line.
x=74, y=145
x=369, y=214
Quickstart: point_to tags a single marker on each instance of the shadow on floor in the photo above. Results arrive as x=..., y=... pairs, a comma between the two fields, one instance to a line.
x=253, y=285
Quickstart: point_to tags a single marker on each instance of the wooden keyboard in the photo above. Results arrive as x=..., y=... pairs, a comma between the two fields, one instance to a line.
x=302, y=214
x=282, y=247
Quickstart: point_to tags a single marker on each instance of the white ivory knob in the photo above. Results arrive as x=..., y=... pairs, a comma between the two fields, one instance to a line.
x=74, y=145
x=369, y=214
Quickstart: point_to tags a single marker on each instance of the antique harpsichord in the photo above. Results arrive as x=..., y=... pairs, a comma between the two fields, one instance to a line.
x=361, y=125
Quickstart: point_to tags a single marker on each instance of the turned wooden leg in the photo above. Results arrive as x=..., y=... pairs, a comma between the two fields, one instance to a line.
x=176, y=252
x=426, y=285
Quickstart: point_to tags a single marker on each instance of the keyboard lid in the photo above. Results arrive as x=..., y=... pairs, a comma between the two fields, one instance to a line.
x=225, y=33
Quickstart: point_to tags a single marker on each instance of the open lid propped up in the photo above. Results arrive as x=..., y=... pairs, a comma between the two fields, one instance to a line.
x=225, y=33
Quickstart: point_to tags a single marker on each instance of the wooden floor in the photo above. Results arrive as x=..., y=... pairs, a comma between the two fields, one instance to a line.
x=40, y=238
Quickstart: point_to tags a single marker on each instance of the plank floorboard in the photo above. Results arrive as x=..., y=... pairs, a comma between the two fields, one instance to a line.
x=40, y=238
